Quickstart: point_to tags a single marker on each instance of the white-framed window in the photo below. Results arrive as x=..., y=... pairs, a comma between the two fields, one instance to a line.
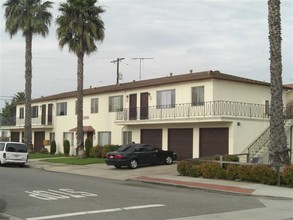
x=52, y=137
x=166, y=98
x=127, y=137
x=21, y=113
x=95, y=105
x=35, y=111
x=62, y=108
x=104, y=138
x=116, y=103
x=197, y=95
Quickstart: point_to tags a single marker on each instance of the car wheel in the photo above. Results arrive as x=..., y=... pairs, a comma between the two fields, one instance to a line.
x=118, y=167
x=169, y=160
x=133, y=164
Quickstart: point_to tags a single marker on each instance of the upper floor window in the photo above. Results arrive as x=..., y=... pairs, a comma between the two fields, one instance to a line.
x=95, y=105
x=62, y=108
x=197, y=95
x=166, y=98
x=21, y=113
x=35, y=111
x=115, y=103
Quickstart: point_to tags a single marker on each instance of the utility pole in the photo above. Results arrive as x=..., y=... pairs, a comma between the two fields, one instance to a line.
x=140, y=59
x=117, y=61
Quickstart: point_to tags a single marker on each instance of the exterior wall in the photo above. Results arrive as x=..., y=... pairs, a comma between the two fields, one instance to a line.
x=243, y=92
x=240, y=92
x=239, y=136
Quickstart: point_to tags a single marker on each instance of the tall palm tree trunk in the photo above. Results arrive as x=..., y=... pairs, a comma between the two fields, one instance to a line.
x=28, y=90
x=278, y=151
x=79, y=103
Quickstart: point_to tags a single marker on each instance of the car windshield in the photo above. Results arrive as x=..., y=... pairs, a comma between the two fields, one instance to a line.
x=13, y=147
x=124, y=148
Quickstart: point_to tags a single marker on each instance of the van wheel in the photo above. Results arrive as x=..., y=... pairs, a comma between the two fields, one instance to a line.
x=21, y=165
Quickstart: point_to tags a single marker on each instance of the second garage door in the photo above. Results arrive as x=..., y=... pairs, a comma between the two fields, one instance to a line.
x=181, y=142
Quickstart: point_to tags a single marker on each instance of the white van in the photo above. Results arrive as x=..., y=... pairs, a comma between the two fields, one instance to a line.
x=13, y=152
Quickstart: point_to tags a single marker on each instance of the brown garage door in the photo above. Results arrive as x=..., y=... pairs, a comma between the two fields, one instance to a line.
x=180, y=141
x=38, y=141
x=151, y=136
x=213, y=141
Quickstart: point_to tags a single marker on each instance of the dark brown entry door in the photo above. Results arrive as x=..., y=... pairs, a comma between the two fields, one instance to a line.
x=15, y=136
x=50, y=114
x=90, y=136
x=38, y=140
x=144, y=105
x=213, y=141
x=43, y=114
x=132, y=106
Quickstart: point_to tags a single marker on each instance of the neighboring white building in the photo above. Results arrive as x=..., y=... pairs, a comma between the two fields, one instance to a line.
x=196, y=114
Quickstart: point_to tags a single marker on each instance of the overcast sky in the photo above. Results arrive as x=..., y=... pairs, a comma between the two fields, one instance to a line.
x=180, y=35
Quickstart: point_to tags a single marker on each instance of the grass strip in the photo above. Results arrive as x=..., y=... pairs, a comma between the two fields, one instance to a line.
x=75, y=160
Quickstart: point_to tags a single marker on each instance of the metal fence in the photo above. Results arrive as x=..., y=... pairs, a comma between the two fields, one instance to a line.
x=196, y=110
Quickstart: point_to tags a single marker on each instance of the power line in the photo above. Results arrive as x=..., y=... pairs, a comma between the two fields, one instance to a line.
x=117, y=61
x=140, y=59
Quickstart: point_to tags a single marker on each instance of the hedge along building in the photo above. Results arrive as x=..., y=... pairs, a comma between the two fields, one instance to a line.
x=196, y=115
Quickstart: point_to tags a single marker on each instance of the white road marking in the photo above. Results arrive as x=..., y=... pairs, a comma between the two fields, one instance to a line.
x=96, y=212
x=51, y=194
x=143, y=206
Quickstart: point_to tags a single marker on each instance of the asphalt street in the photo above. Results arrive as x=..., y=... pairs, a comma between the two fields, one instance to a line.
x=35, y=194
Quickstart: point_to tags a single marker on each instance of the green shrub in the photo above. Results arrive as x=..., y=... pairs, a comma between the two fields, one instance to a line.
x=184, y=167
x=112, y=147
x=44, y=151
x=245, y=172
x=95, y=152
x=232, y=158
x=100, y=151
x=232, y=172
x=287, y=175
x=66, y=147
x=195, y=170
x=53, y=147
x=88, y=145
x=263, y=174
x=212, y=170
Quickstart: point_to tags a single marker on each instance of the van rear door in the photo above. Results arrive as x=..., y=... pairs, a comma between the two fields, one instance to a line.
x=16, y=152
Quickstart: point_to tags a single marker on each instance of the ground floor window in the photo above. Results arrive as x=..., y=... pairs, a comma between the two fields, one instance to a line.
x=52, y=137
x=127, y=137
x=104, y=138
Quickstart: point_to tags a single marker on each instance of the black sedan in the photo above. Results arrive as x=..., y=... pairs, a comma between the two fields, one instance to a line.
x=134, y=155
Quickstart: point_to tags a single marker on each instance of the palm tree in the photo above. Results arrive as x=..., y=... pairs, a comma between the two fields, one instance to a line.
x=278, y=151
x=31, y=17
x=9, y=111
x=79, y=26
x=18, y=97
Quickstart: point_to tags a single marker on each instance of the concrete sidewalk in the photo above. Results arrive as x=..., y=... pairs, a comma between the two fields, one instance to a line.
x=167, y=175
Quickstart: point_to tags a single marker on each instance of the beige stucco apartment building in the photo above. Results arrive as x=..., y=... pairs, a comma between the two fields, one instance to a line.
x=195, y=114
